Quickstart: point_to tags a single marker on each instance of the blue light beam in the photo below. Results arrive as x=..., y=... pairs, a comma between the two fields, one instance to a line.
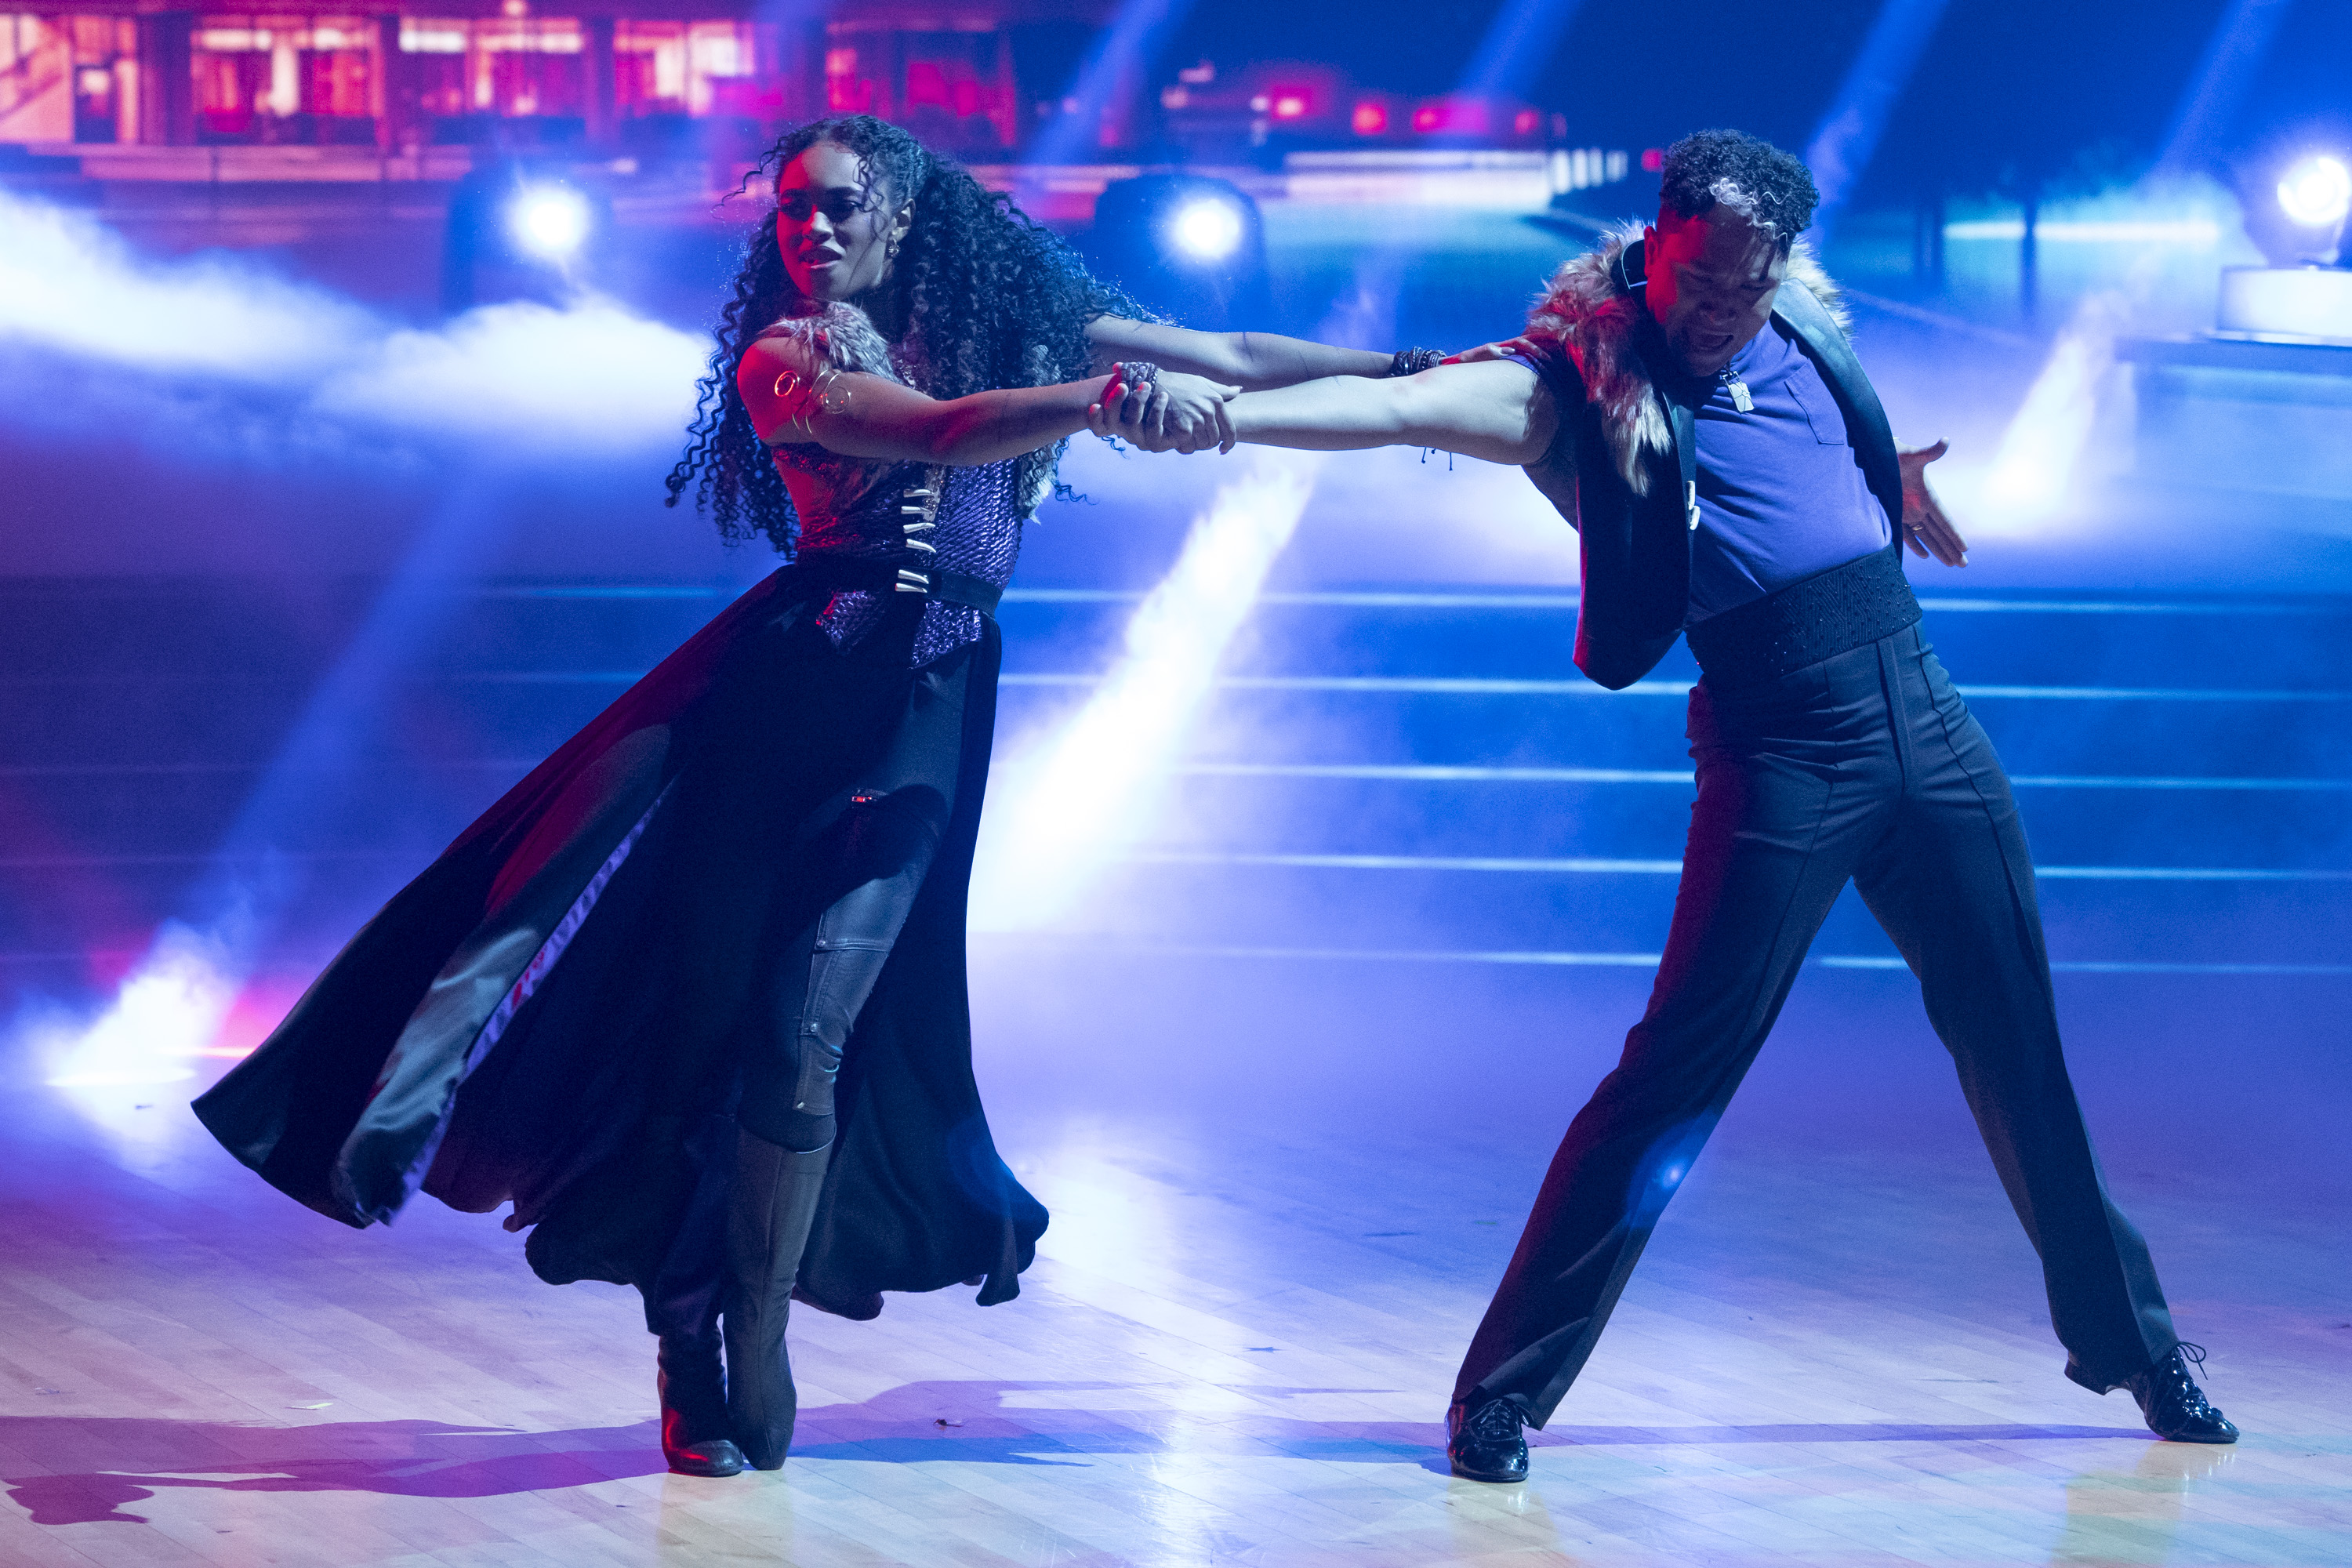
x=2240, y=43
x=1518, y=45
x=1847, y=137
x=1126, y=48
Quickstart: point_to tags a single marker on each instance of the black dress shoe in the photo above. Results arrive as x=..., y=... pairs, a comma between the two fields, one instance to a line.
x=705, y=1456
x=2174, y=1406
x=695, y=1436
x=1484, y=1444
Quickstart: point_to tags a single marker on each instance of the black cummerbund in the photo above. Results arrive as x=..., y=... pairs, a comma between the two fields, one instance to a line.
x=1806, y=622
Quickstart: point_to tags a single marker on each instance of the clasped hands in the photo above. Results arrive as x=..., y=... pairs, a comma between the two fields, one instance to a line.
x=1172, y=412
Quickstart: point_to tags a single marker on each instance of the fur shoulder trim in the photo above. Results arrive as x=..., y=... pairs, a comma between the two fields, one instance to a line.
x=844, y=336
x=1585, y=311
x=1805, y=269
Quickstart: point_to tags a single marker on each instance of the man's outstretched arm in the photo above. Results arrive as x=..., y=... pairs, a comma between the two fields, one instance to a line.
x=1500, y=411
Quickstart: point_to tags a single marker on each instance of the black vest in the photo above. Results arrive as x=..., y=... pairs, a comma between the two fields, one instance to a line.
x=1636, y=549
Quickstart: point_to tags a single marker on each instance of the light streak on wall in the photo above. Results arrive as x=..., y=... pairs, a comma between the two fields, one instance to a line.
x=1518, y=45
x=2046, y=439
x=2052, y=428
x=500, y=390
x=2233, y=54
x=1113, y=67
x=1843, y=143
x=1064, y=807
x=171, y=1007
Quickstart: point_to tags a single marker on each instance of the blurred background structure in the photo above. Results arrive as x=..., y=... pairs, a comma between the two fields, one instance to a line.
x=345, y=352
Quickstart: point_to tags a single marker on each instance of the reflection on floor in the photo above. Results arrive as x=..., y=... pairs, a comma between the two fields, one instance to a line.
x=1235, y=1347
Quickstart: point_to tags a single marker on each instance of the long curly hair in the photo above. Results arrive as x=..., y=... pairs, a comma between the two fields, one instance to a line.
x=991, y=300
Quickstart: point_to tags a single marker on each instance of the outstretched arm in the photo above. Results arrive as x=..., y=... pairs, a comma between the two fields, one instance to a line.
x=794, y=397
x=1500, y=411
x=1251, y=361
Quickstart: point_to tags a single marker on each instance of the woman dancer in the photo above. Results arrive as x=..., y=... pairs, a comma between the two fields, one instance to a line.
x=692, y=995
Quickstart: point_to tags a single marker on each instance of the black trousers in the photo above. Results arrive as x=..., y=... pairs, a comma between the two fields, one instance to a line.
x=1865, y=766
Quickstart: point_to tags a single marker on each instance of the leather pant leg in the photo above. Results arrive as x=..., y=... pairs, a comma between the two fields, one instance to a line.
x=873, y=855
x=1952, y=883
x=870, y=859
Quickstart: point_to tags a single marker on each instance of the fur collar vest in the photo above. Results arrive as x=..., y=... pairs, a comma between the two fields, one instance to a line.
x=1586, y=312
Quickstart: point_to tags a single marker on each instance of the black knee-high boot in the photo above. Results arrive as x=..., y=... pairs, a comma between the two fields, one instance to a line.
x=880, y=848
x=768, y=1221
x=696, y=1437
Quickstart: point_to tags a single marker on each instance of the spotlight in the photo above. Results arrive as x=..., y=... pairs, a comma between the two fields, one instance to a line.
x=522, y=229
x=2316, y=192
x=1189, y=245
x=548, y=221
x=1206, y=228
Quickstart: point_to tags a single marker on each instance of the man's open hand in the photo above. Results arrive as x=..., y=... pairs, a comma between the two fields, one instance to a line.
x=1924, y=523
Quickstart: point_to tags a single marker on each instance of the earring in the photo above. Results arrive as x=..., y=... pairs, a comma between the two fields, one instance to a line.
x=890, y=249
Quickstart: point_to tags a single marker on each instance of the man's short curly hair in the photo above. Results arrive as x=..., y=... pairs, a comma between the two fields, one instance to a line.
x=1769, y=188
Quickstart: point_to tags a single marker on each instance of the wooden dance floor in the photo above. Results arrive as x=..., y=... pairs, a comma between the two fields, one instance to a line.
x=1236, y=1348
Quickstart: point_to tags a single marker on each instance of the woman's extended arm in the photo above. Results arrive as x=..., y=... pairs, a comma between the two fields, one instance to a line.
x=1251, y=361
x=794, y=398
x=1499, y=411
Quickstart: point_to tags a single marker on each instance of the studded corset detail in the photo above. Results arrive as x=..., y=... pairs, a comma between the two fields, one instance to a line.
x=975, y=530
x=885, y=512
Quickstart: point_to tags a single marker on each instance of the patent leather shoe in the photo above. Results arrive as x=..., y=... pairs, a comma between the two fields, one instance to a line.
x=1485, y=1444
x=2175, y=1408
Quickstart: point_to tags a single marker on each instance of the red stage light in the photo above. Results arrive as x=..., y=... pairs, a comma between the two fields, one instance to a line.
x=1289, y=103
x=1527, y=121
x=1426, y=118
x=1371, y=119
x=1653, y=159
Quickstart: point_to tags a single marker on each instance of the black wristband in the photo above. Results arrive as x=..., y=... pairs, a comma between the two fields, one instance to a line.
x=1413, y=362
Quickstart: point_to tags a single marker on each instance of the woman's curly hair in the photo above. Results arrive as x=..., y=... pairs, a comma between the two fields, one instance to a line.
x=992, y=300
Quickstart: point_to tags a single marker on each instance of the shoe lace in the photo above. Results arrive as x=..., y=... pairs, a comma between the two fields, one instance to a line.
x=1496, y=1421
x=2182, y=1356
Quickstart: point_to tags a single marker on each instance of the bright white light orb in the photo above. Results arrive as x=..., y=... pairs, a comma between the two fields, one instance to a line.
x=549, y=221
x=2316, y=192
x=1207, y=229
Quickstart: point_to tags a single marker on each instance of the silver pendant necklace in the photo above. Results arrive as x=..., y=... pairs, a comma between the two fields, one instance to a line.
x=1737, y=388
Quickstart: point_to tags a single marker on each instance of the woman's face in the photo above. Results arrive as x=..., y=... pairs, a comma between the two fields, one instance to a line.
x=837, y=227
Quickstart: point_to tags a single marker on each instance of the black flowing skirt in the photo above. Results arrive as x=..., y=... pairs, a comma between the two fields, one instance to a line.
x=553, y=1013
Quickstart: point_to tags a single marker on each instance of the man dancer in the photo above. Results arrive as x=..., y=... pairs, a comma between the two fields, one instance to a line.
x=1695, y=409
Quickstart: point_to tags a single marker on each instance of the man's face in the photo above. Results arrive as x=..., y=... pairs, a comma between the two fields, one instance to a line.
x=1713, y=280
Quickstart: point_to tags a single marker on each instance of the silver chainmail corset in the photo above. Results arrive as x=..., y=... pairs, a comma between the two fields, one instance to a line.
x=977, y=534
